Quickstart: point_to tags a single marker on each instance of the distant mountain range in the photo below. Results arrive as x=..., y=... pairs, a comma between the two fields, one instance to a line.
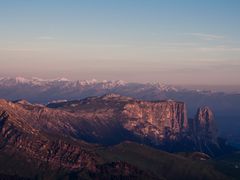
x=40, y=90
x=36, y=90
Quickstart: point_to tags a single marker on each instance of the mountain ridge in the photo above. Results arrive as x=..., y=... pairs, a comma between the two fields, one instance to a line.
x=113, y=118
x=81, y=137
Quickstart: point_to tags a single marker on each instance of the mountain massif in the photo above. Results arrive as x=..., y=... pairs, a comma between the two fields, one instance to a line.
x=73, y=139
x=112, y=118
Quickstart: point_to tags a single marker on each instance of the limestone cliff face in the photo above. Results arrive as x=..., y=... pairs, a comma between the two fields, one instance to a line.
x=116, y=118
x=156, y=120
x=204, y=123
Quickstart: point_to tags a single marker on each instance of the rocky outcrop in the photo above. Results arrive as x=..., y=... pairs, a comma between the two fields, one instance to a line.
x=203, y=133
x=204, y=123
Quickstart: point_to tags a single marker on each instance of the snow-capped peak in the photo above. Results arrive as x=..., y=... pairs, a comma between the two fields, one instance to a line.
x=164, y=87
x=88, y=82
x=62, y=79
x=37, y=79
x=21, y=80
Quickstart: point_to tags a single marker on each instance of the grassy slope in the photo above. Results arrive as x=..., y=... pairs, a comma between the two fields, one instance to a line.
x=163, y=164
x=229, y=165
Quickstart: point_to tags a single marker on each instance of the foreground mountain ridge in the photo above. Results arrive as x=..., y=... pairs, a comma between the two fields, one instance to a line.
x=111, y=119
x=60, y=135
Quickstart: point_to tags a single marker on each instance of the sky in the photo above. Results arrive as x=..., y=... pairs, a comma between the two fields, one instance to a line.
x=169, y=41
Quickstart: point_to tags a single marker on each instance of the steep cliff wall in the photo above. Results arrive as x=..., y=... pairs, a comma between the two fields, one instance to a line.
x=156, y=120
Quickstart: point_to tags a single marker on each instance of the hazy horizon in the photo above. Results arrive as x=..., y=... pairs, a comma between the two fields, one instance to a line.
x=188, y=42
